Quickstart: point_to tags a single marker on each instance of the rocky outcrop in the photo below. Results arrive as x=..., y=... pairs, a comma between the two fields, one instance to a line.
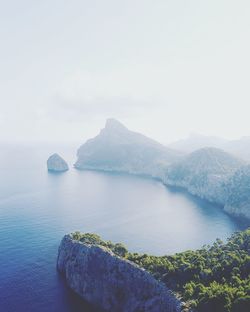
x=56, y=163
x=110, y=282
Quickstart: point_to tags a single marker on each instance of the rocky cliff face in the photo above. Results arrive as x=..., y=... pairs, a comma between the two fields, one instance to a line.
x=57, y=164
x=110, y=282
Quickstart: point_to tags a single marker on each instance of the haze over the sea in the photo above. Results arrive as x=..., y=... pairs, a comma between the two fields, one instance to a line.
x=164, y=68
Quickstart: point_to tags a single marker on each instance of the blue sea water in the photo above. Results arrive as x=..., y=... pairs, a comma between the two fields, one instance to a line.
x=37, y=208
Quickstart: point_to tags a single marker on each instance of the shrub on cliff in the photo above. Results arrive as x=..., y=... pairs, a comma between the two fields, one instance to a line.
x=94, y=239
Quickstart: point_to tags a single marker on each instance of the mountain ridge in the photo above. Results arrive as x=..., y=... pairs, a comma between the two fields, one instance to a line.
x=117, y=148
x=238, y=147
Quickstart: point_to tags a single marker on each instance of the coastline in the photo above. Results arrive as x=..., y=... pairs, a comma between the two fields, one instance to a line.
x=242, y=221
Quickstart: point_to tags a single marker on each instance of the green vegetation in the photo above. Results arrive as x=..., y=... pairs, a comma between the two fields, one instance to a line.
x=215, y=278
x=94, y=239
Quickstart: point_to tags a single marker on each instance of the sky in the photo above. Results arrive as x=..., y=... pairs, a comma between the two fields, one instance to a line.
x=163, y=68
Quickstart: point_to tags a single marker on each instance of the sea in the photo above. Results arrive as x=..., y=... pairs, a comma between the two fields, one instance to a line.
x=37, y=208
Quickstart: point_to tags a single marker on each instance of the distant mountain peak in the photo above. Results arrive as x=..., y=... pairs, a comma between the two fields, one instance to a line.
x=113, y=124
x=198, y=141
x=213, y=153
x=212, y=160
x=209, y=149
x=116, y=148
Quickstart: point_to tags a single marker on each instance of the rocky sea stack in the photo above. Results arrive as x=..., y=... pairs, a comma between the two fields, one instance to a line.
x=108, y=281
x=56, y=163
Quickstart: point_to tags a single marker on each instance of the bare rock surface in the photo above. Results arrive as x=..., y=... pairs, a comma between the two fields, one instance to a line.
x=57, y=164
x=110, y=282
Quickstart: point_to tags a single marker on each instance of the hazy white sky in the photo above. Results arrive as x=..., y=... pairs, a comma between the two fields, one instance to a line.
x=164, y=68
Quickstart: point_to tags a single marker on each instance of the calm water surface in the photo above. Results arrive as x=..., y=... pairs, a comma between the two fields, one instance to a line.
x=38, y=208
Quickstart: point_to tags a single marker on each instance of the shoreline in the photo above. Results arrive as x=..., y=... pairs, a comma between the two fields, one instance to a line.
x=242, y=221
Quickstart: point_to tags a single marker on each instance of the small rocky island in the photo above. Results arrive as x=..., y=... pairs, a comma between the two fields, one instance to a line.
x=99, y=273
x=56, y=163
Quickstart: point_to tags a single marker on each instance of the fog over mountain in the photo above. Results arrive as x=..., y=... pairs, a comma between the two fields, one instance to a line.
x=165, y=68
x=197, y=141
x=239, y=147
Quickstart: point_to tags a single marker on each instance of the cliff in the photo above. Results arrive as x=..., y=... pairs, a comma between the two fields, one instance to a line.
x=110, y=282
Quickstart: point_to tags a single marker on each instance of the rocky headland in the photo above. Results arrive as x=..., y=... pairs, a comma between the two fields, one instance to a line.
x=104, y=278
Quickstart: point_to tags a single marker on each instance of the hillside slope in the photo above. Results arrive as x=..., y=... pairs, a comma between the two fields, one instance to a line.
x=118, y=149
x=204, y=173
x=238, y=188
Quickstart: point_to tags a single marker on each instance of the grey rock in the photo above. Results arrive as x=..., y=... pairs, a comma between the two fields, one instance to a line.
x=112, y=283
x=57, y=164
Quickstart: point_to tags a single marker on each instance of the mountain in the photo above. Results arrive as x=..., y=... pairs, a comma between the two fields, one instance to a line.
x=116, y=148
x=204, y=173
x=197, y=141
x=239, y=148
x=238, y=201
